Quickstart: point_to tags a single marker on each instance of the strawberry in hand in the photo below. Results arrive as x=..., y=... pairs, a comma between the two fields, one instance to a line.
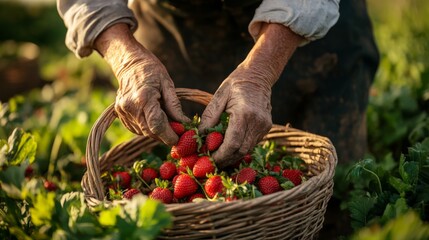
x=188, y=144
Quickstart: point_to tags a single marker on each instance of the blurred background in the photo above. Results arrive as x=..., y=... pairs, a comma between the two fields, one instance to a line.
x=44, y=87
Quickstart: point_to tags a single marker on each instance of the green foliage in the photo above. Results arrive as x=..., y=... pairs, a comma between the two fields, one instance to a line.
x=396, y=190
x=29, y=211
x=407, y=226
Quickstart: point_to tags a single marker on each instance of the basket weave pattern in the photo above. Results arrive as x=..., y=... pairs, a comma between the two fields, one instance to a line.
x=297, y=213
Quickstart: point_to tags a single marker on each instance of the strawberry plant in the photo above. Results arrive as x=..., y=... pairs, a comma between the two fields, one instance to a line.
x=32, y=207
x=382, y=192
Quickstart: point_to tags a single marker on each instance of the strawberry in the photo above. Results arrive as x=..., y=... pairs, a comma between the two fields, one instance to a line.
x=214, y=140
x=184, y=186
x=276, y=169
x=149, y=174
x=29, y=171
x=188, y=161
x=122, y=178
x=182, y=169
x=268, y=185
x=177, y=127
x=203, y=166
x=247, y=158
x=162, y=194
x=203, y=149
x=294, y=175
x=230, y=199
x=195, y=196
x=167, y=170
x=130, y=193
x=173, y=152
x=50, y=186
x=246, y=174
x=187, y=144
x=174, y=179
x=214, y=186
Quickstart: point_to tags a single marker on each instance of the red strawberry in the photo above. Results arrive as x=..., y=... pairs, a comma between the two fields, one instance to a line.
x=195, y=196
x=247, y=158
x=177, y=127
x=162, y=194
x=149, y=174
x=181, y=169
x=214, y=186
x=29, y=171
x=214, y=140
x=187, y=144
x=122, y=178
x=294, y=175
x=230, y=199
x=130, y=193
x=173, y=152
x=203, y=149
x=188, y=161
x=203, y=166
x=246, y=175
x=184, y=186
x=50, y=186
x=276, y=169
x=268, y=185
x=174, y=179
x=167, y=170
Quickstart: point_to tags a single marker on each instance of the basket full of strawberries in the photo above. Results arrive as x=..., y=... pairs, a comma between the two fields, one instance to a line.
x=279, y=190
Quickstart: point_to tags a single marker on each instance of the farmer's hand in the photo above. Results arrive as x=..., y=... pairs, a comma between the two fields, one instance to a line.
x=246, y=94
x=146, y=98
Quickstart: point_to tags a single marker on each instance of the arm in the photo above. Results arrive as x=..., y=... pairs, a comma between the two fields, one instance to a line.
x=245, y=94
x=146, y=97
x=278, y=28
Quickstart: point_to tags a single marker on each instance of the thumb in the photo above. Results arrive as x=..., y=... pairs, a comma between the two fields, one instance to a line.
x=212, y=113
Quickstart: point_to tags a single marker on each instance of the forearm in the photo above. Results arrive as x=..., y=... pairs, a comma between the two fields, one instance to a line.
x=272, y=51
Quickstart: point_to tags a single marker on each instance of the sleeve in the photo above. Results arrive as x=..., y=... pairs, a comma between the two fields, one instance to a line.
x=310, y=19
x=86, y=19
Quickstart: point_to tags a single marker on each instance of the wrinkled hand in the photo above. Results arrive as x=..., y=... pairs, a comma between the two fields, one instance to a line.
x=247, y=101
x=146, y=97
x=246, y=94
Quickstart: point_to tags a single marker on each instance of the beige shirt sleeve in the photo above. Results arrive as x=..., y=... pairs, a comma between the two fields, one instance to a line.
x=310, y=19
x=86, y=19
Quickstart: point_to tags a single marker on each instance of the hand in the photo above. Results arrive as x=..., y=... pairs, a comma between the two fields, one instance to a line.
x=146, y=97
x=246, y=94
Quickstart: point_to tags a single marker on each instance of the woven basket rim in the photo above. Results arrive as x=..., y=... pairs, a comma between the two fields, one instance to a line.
x=107, y=117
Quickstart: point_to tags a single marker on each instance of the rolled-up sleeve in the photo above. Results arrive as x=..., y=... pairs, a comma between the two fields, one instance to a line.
x=310, y=19
x=86, y=19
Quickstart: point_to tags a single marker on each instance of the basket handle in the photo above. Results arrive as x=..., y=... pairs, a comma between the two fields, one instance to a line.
x=99, y=129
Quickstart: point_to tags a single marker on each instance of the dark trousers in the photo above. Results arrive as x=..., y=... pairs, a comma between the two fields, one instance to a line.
x=323, y=89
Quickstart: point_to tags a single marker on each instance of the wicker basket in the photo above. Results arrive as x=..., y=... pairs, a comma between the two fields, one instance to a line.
x=297, y=213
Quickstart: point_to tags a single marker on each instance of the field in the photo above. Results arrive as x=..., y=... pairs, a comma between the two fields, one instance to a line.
x=50, y=100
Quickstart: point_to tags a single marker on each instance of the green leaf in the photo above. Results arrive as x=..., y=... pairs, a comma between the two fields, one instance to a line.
x=409, y=171
x=393, y=210
x=108, y=216
x=21, y=147
x=42, y=211
x=359, y=208
x=399, y=185
x=12, y=179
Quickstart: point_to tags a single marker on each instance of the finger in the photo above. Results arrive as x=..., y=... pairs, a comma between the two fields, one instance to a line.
x=127, y=120
x=214, y=110
x=228, y=153
x=157, y=122
x=173, y=107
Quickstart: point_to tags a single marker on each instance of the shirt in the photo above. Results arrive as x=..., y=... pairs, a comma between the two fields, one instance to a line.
x=86, y=19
